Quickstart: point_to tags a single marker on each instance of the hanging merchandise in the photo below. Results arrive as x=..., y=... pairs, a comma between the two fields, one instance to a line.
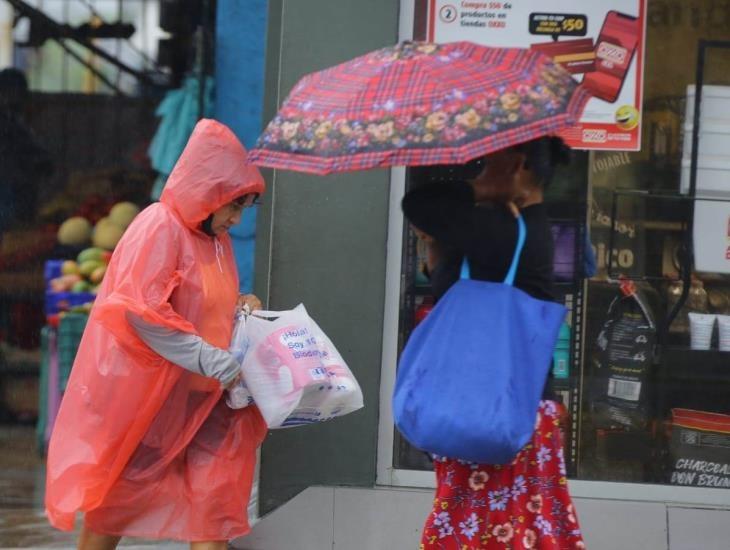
x=625, y=355
x=179, y=112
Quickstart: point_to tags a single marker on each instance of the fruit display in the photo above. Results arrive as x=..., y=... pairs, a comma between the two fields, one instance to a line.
x=84, y=274
x=105, y=234
x=72, y=284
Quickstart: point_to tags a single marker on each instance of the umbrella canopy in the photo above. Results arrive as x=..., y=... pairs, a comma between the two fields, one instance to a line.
x=419, y=103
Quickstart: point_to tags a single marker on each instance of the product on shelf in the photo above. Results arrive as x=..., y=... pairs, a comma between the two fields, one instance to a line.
x=723, y=323
x=626, y=349
x=697, y=301
x=700, y=449
x=719, y=300
x=561, y=355
x=701, y=327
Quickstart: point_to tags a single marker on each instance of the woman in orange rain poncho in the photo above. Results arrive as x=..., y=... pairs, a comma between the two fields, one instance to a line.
x=144, y=447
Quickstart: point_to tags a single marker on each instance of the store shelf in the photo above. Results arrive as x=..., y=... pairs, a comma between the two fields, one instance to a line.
x=693, y=379
x=682, y=363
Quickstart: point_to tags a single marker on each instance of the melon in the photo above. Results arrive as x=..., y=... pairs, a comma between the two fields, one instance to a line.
x=107, y=234
x=87, y=254
x=123, y=213
x=69, y=267
x=81, y=286
x=97, y=275
x=89, y=266
x=74, y=231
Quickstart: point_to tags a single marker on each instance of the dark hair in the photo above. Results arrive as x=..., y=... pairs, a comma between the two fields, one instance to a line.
x=543, y=155
x=240, y=201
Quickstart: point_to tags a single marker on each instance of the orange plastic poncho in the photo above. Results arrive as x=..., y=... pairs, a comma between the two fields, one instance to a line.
x=141, y=445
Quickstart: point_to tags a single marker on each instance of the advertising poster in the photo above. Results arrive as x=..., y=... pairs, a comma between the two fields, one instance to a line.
x=600, y=43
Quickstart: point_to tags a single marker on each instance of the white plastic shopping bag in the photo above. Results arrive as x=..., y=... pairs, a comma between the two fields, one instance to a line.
x=239, y=395
x=293, y=371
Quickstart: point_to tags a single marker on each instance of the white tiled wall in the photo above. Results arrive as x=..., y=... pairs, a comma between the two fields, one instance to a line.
x=693, y=528
x=326, y=518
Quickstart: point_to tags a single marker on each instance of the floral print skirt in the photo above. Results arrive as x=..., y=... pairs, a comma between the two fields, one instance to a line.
x=520, y=505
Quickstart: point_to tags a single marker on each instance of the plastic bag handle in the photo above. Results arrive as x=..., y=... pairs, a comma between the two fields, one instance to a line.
x=267, y=313
x=512, y=272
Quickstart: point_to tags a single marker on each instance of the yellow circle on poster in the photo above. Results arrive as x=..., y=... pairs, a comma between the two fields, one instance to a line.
x=627, y=117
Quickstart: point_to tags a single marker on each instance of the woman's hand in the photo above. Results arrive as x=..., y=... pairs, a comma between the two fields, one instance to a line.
x=232, y=383
x=248, y=303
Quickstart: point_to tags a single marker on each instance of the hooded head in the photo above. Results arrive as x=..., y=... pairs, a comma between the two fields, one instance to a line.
x=212, y=171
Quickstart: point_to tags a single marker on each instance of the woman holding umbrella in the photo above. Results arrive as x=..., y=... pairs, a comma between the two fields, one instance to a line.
x=419, y=104
x=524, y=504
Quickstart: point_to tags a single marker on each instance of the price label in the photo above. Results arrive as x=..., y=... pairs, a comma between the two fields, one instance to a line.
x=558, y=24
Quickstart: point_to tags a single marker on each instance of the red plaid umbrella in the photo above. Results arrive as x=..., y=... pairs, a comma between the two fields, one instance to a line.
x=419, y=103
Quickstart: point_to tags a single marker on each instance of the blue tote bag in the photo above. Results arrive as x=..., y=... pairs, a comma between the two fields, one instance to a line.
x=471, y=376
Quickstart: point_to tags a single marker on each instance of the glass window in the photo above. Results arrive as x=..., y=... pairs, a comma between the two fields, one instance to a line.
x=648, y=378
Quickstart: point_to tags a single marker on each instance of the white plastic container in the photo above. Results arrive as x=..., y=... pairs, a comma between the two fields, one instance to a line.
x=701, y=326
x=715, y=104
x=714, y=139
x=713, y=176
x=711, y=235
x=713, y=160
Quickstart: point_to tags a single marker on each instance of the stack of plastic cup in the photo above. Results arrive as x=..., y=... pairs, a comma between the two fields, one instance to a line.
x=701, y=326
x=723, y=323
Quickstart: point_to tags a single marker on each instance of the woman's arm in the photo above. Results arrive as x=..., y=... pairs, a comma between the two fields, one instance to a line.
x=188, y=351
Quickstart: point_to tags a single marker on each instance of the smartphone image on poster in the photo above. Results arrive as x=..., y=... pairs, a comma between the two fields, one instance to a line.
x=615, y=49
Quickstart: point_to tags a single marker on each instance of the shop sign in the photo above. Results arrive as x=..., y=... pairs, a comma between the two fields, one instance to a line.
x=601, y=43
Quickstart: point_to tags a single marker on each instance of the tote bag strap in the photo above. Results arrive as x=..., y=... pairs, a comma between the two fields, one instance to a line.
x=512, y=272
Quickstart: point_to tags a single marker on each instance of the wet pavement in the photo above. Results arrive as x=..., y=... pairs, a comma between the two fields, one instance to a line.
x=22, y=477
